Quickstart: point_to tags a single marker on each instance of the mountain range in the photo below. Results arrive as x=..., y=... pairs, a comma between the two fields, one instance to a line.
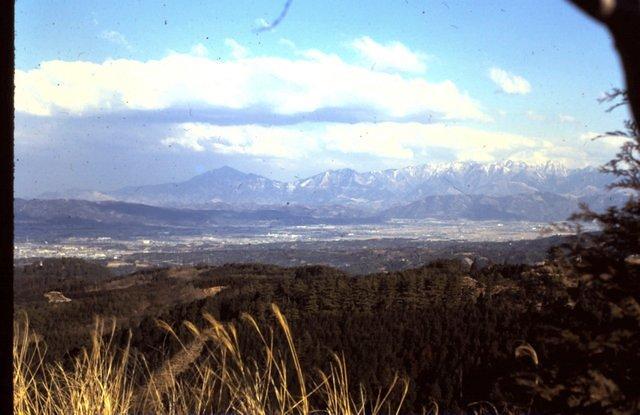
x=504, y=190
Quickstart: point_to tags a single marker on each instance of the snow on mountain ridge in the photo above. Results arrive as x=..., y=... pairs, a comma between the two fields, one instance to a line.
x=378, y=187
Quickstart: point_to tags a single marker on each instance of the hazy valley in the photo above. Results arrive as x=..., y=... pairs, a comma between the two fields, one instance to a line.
x=358, y=222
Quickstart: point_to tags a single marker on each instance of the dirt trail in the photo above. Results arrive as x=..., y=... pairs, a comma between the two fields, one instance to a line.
x=180, y=362
x=162, y=379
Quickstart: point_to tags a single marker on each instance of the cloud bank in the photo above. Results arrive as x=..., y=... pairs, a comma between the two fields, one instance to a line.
x=404, y=142
x=311, y=81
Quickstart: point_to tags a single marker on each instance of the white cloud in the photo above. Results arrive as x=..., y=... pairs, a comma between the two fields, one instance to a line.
x=388, y=143
x=546, y=151
x=405, y=140
x=393, y=56
x=252, y=140
x=386, y=140
x=509, y=83
x=310, y=82
x=237, y=50
x=567, y=119
x=199, y=50
x=116, y=38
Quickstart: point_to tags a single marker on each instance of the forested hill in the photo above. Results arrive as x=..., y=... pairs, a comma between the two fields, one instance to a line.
x=450, y=330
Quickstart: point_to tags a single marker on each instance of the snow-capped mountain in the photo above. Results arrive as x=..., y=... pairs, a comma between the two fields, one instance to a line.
x=412, y=183
x=373, y=191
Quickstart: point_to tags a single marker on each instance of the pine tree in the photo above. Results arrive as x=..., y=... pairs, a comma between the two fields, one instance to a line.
x=596, y=349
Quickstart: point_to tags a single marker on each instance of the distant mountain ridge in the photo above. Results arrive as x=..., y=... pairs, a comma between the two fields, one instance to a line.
x=52, y=218
x=376, y=190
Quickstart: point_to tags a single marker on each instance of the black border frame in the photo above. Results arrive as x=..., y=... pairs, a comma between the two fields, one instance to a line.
x=7, y=60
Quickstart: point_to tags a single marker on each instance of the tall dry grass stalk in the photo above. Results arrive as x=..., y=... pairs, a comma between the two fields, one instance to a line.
x=210, y=375
x=226, y=381
x=27, y=367
x=98, y=381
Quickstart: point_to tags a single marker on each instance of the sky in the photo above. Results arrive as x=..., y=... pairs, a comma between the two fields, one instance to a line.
x=117, y=93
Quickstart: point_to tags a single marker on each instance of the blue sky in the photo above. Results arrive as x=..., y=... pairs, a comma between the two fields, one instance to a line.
x=114, y=93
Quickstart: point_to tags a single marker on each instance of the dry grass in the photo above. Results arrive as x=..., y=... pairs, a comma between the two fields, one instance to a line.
x=211, y=376
x=98, y=380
